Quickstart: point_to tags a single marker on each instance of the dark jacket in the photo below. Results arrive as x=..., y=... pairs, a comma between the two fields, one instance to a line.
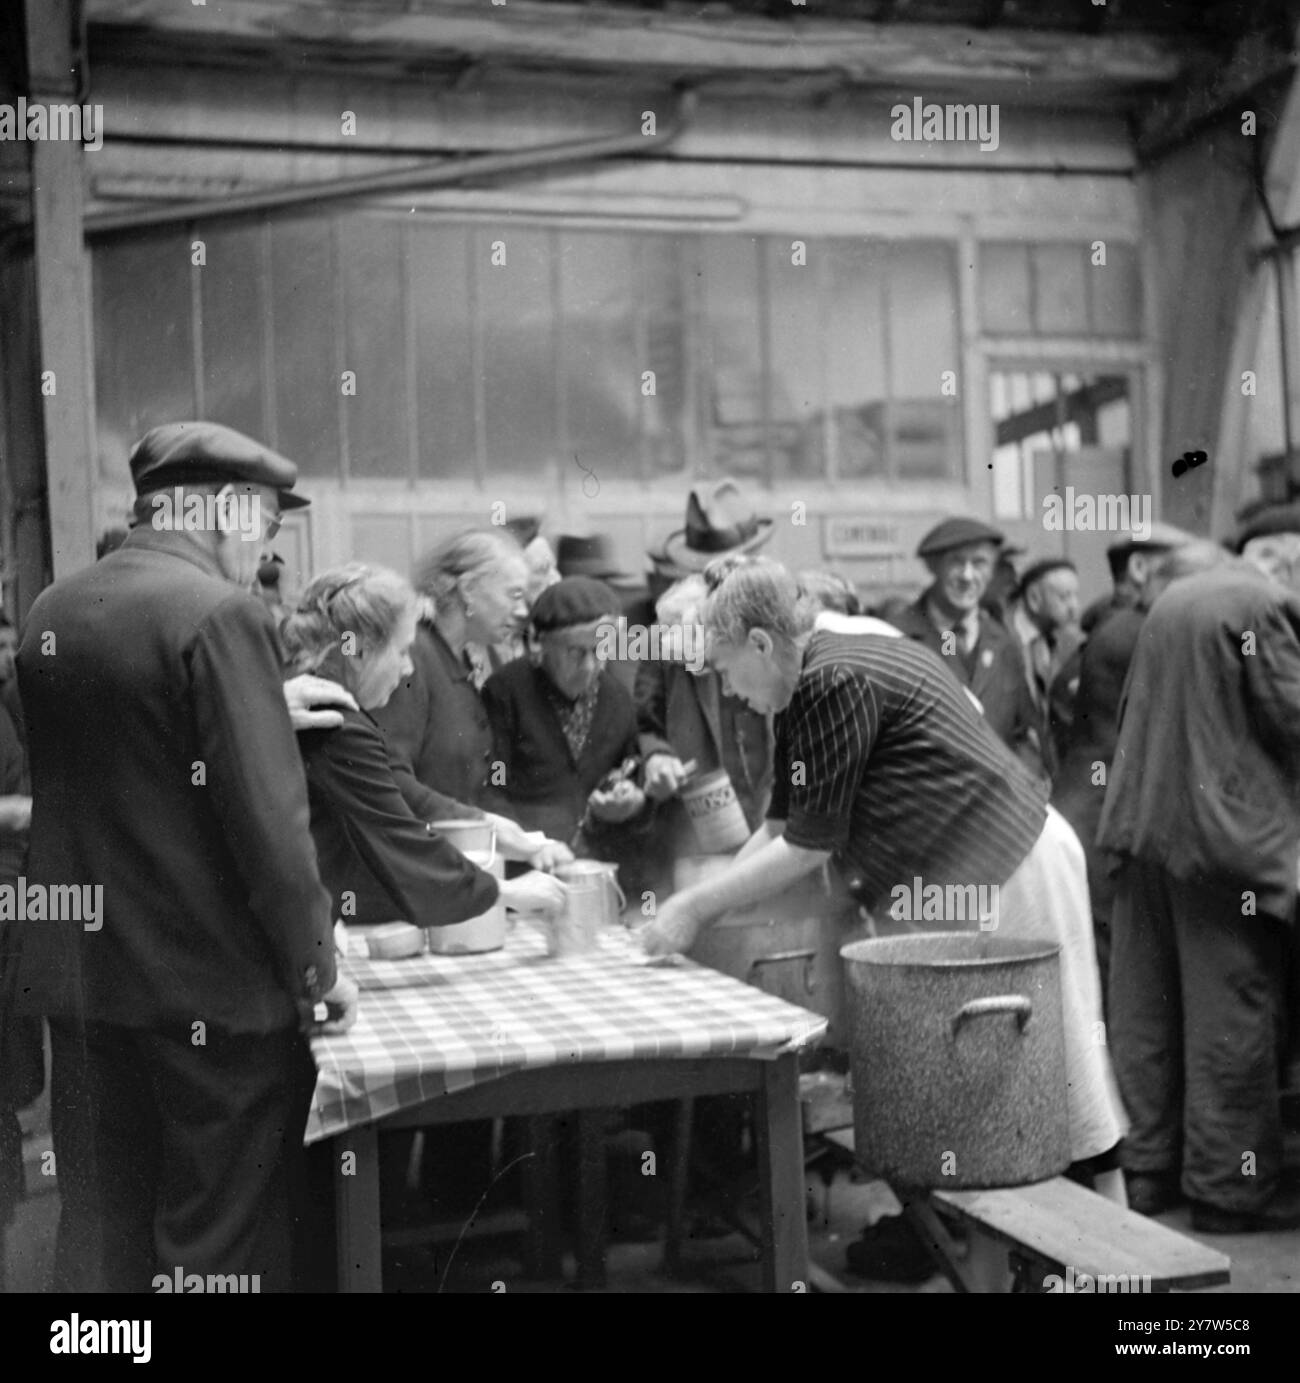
x=545, y=788
x=994, y=672
x=378, y=859
x=1079, y=788
x=165, y=769
x=435, y=722
x=1206, y=778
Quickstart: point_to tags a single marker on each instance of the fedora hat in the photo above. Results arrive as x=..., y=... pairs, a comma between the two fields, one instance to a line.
x=589, y=555
x=719, y=519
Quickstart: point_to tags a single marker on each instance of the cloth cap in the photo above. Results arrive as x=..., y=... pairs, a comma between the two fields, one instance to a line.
x=1162, y=538
x=201, y=453
x=957, y=533
x=1037, y=570
x=573, y=600
x=1277, y=518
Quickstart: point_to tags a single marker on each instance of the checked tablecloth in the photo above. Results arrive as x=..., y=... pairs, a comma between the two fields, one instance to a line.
x=433, y=1025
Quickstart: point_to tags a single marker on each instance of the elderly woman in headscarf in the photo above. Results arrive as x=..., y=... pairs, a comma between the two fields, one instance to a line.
x=564, y=728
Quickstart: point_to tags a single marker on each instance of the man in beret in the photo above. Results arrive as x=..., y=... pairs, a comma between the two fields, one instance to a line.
x=947, y=617
x=563, y=726
x=1202, y=808
x=165, y=773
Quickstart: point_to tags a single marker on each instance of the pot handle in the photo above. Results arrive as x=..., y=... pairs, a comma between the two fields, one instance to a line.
x=1018, y=1004
x=622, y=901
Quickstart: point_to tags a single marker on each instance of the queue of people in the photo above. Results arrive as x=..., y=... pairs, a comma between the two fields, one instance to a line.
x=1126, y=777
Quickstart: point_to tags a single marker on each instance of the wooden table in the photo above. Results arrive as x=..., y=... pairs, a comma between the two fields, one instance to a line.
x=443, y=1039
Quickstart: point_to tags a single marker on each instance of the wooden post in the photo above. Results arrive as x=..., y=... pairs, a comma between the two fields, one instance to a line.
x=63, y=321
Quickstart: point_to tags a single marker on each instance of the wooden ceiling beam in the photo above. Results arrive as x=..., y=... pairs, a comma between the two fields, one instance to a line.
x=906, y=56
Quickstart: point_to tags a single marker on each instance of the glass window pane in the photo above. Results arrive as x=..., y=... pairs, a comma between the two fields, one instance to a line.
x=600, y=297
x=924, y=343
x=233, y=301
x=519, y=349
x=731, y=361
x=444, y=343
x=1116, y=292
x=1060, y=292
x=796, y=352
x=307, y=383
x=370, y=261
x=664, y=417
x=144, y=355
x=855, y=355
x=1004, y=289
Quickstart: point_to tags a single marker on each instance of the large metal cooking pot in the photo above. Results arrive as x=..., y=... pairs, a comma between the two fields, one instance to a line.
x=958, y=1059
x=789, y=944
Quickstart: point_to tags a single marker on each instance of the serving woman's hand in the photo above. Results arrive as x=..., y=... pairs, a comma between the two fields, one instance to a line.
x=534, y=893
x=341, y=1004
x=304, y=693
x=550, y=855
x=674, y=929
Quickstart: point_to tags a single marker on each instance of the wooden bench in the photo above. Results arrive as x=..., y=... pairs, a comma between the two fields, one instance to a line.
x=1058, y=1227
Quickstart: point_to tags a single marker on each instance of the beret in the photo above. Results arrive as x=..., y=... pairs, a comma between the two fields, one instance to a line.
x=1037, y=570
x=573, y=600
x=957, y=533
x=205, y=453
x=1276, y=518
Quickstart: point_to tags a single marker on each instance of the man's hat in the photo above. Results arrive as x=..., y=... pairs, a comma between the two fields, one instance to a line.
x=200, y=453
x=1162, y=538
x=1044, y=567
x=957, y=533
x=719, y=519
x=592, y=556
x=573, y=600
x=1275, y=518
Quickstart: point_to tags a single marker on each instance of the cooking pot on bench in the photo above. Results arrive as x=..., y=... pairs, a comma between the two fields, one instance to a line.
x=958, y=1059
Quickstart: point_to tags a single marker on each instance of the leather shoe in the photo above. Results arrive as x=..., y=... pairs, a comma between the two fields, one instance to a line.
x=889, y=1251
x=1152, y=1193
x=1281, y=1213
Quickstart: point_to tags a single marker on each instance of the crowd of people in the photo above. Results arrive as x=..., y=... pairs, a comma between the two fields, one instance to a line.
x=241, y=773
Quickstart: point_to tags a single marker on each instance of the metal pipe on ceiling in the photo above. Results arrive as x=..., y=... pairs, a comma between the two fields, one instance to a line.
x=444, y=173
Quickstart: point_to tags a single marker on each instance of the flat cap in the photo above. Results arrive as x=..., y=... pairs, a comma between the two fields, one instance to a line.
x=1163, y=537
x=1276, y=518
x=200, y=453
x=573, y=600
x=1044, y=567
x=957, y=533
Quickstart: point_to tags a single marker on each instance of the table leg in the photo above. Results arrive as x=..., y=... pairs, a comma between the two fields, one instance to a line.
x=356, y=1209
x=592, y=1198
x=678, y=1178
x=542, y=1198
x=780, y=1167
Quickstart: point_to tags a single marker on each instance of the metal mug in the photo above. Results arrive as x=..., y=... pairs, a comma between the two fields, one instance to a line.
x=589, y=907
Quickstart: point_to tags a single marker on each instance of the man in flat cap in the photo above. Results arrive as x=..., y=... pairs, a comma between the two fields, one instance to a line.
x=947, y=617
x=165, y=774
x=1204, y=811
x=1045, y=619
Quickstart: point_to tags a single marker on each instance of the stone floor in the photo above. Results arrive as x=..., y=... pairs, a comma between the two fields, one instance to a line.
x=487, y=1262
